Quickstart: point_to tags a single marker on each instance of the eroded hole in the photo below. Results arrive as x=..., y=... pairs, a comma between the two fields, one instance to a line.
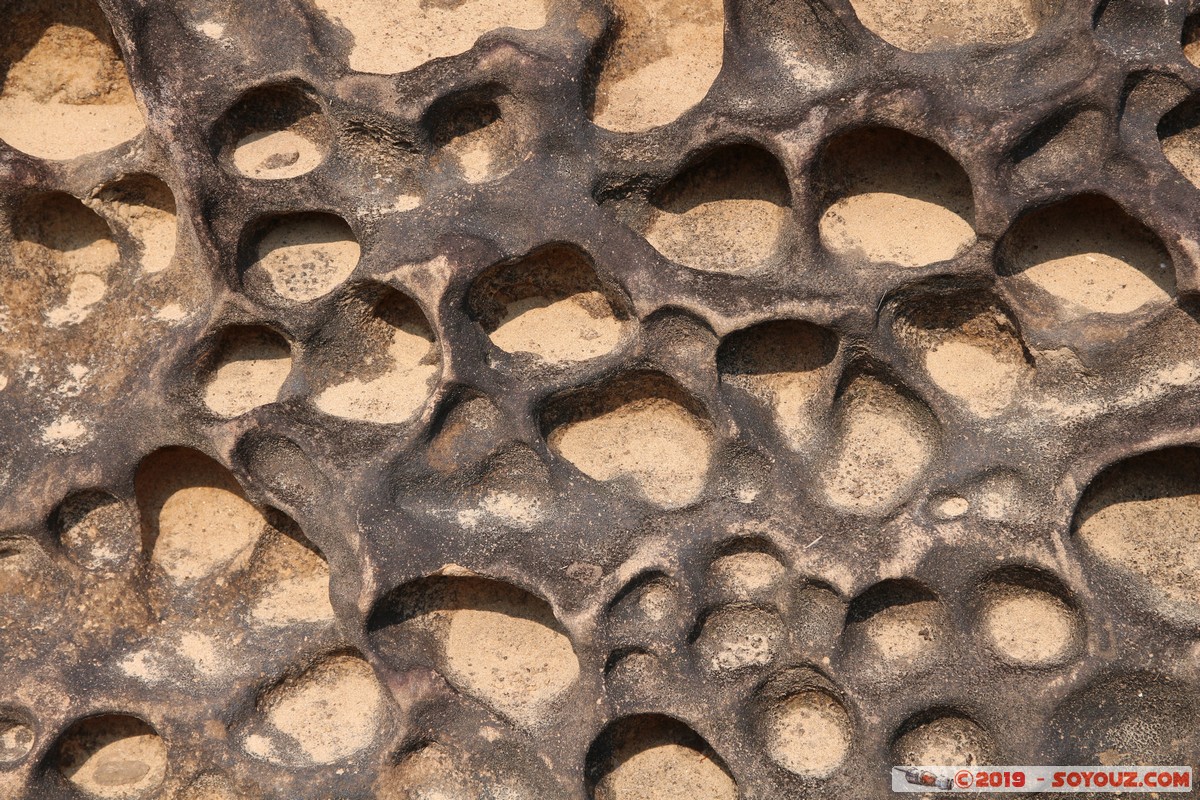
x=661, y=59
x=1027, y=619
x=385, y=366
x=647, y=600
x=639, y=427
x=333, y=712
x=1090, y=256
x=65, y=91
x=1179, y=135
x=896, y=621
x=493, y=641
x=724, y=213
x=96, y=530
x=784, y=365
x=745, y=570
x=809, y=734
x=274, y=132
x=68, y=253
x=894, y=198
x=942, y=738
x=144, y=207
x=304, y=256
x=391, y=37
x=1061, y=145
x=969, y=348
x=292, y=578
x=112, y=756
x=925, y=26
x=550, y=303
x=472, y=136
x=250, y=367
x=737, y=637
x=650, y=756
x=1136, y=519
x=884, y=440
x=16, y=738
x=1191, y=39
x=196, y=520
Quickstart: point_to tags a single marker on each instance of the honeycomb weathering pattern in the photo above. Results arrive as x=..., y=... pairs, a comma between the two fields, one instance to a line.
x=413, y=435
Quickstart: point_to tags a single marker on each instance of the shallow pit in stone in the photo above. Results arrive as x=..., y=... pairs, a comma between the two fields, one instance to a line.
x=785, y=365
x=727, y=211
x=1090, y=256
x=472, y=138
x=303, y=256
x=894, y=198
x=745, y=569
x=96, y=530
x=896, y=621
x=808, y=734
x=17, y=737
x=550, y=304
x=492, y=640
x=383, y=363
x=249, y=367
x=1190, y=40
x=738, y=637
x=274, y=132
x=639, y=427
x=114, y=757
x=659, y=61
x=196, y=521
x=291, y=578
x=332, y=712
x=144, y=207
x=392, y=36
x=65, y=91
x=67, y=252
x=927, y=26
x=1027, y=619
x=969, y=348
x=652, y=757
x=1136, y=521
x=884, y=440
x=1179, y=137
x=942, y=738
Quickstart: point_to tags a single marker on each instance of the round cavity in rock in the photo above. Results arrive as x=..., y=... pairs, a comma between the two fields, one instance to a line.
x=947, y=739
x=745, y=571
x=969, y=348
x=274, y=132
x=649, y=756
x=292, y=577
x=897, y=620
x=1137, y=520
x=725, y=212
x=196, y=520
x=885, y=440
x=390, y=36
x=926, y=26
x=472, y=136
x=1179, y=137
x=785, y=365
x=640, y=427
x=305, y=256
x=113, y=756
x=96, y=530
x=331, y=713
x=251, y=365
x=68, y=252
x=16, y=738
x=661, y=62
x=809, y=734
x=144, y=207
x=66, y=92
x=737, y=637
x=1027, y=626
x=894, y=198
x=1191, y=39
x=386, y=365
x=497, y=642
x=1090, y=256
x=551, y=304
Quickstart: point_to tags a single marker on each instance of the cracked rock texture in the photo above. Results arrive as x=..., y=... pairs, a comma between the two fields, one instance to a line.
x=629, y=400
